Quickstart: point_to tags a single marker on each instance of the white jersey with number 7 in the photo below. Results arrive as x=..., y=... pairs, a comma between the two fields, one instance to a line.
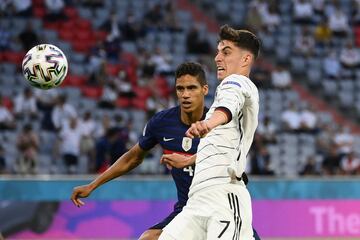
x=221, y=154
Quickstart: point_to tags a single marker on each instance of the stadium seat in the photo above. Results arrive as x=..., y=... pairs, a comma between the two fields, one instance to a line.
x=162, y=87
x=85, y=36
x=81, y=46
x=83, y=24
x=73, y=80
x=91, y=92
x=330, y=87
x=346, y=98
x=297, y=64
x=142, y=92
x=52, y=25
x=282, y=54
x=315, y=76
x=65, y=47
x=67, y=34
x=50, y=35
x=18, y=24
x=38, y=3
x=102, y=14
x=113, y=69
x=77, y=57
x=8, y=68
x=69, y=25
x=73, y=93
x=39, y=12
x=78, y=69
x=85, y=12
x=139, y=103
x=123, y=102
x=71, y=12
x=8, y=103
x=13, y=57
x=100, y=35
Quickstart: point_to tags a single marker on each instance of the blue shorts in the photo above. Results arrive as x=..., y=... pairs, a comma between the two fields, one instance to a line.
x=166, y=221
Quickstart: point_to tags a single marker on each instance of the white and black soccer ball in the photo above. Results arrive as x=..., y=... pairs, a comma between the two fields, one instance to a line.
x=45, y=66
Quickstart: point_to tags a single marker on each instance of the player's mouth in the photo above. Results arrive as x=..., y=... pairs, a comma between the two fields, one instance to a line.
x=220, y=69
x=186, y=104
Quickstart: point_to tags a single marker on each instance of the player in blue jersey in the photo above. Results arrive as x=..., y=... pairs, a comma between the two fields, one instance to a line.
x=166, y=128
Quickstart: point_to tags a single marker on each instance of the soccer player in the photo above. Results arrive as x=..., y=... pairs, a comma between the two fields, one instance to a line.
x=166, y=128
x=219, y=204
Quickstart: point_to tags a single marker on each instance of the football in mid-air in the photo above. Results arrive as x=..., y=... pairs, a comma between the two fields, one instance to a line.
x=45, y=66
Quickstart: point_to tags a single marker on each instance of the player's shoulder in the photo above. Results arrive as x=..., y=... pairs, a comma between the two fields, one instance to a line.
x=241, y=82
x=166, y=114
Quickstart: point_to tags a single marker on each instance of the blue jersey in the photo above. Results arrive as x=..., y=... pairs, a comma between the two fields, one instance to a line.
x=165, y=128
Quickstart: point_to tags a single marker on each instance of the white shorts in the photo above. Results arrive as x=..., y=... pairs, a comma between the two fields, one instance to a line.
x=217, y=212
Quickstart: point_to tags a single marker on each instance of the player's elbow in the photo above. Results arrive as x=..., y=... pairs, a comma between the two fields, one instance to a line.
x=152, y=234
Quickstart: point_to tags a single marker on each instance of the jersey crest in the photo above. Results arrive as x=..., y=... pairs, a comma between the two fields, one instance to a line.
x=186, y=143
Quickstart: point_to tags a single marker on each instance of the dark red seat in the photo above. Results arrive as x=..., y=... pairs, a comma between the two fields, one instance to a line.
x=91, y=92
x=39, y=12
x=101, y=35
x=74, y=80
x=142, y=93
x=14, y=57
x=71, y=12
x=83, y=24
x=84, y=36
x=123, y=102
x=112, y=69
x=139, y=104
x=81, y=46
x=66, y=34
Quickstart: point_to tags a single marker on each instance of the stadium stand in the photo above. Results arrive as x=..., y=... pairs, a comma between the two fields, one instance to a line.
x=122, y=56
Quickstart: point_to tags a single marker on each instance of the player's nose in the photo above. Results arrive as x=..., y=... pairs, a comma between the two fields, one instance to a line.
x=186, y=94
x=217, y=58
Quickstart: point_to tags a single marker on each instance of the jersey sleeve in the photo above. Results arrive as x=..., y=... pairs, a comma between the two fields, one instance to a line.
x=148, y=140
x=231, y=95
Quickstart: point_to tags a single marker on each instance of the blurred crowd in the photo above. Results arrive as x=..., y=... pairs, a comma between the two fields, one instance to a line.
x=39, y=126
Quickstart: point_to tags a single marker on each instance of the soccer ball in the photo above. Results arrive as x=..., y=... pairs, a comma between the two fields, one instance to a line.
x=45, y=66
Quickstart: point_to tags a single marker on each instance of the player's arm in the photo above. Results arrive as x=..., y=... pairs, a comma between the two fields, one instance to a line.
x=128, y=161
x=231, y=97
x=177, y=160
x=201, y=128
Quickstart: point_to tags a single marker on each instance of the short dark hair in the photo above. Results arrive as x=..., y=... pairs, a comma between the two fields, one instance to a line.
x=242, y=38
x=193, y=69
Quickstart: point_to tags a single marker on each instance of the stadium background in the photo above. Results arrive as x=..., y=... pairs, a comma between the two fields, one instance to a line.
x=305, y=158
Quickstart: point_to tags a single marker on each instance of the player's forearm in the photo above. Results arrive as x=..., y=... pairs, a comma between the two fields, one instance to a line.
x=191, y=160
x=217, y=118
x=123, y=165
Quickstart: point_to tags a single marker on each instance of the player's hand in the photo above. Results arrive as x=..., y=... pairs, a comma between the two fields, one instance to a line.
x=174, y=160
x=198, y=129
x=80, y=192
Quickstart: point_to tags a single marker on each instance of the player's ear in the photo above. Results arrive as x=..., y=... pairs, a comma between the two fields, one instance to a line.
x=205, y=89
x=247, y=58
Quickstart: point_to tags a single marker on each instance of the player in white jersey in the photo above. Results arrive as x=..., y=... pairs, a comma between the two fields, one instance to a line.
x=219, y=204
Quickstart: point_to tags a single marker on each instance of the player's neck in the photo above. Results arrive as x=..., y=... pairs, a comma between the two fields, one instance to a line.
x=190, y=117
x=244, y=72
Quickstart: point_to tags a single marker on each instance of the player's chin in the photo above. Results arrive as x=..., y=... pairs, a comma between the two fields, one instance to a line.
x=187, y=108
x=220, y=76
